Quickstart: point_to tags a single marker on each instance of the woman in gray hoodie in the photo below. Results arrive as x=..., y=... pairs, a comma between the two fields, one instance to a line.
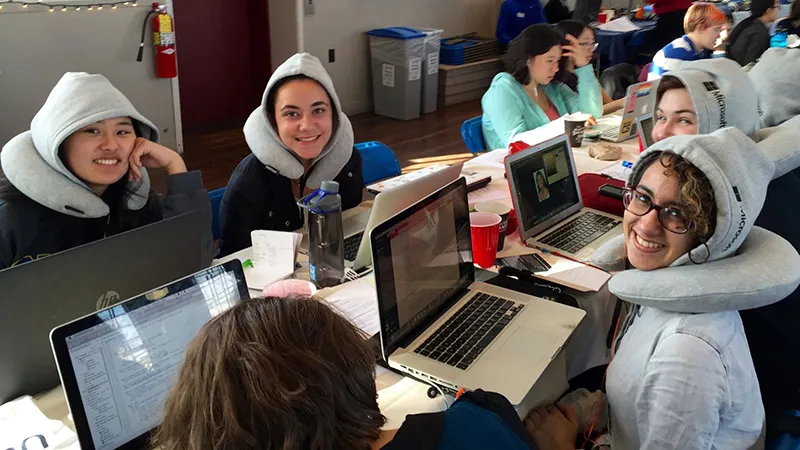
x=79, y=174
x=681, y=374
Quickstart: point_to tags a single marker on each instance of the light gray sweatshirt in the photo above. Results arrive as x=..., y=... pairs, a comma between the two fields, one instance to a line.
x=682, y=376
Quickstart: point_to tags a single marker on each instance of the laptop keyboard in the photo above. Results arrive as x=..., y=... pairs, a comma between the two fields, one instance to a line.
x=469, y=331
x=611, y=134
x=351, y=245
x=579, y=232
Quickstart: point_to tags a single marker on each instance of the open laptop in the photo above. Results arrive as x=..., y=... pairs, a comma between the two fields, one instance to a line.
x=547, y=198
x=639, y=99
x=645, y=125
x=42, y=294
x=386, y=204
x=438, y=324
x=118, y=364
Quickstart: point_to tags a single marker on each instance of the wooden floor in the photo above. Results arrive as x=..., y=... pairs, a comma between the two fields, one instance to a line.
x=433, y=138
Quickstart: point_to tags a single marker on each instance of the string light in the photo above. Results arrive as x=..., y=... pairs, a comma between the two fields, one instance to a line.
x=52, y=6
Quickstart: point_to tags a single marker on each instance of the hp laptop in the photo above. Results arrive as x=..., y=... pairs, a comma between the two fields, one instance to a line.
x=640, y=98
x=645, y=125
x=438, y=324
x=386, y=204
x=547, y=198
x=118, y=364
x=39, y=295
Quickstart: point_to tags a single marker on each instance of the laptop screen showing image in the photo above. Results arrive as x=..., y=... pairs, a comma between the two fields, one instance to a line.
x=422, y=259
x=647, y=131
x=545, y=184
x=123, y=360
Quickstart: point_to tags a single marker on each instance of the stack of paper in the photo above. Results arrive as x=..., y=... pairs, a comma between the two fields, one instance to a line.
x=357, y=301
x=274, y=257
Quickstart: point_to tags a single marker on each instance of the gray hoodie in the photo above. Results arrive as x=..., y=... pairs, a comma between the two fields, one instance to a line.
x=682, y=375
x=722, y=94
x=31, y=160
x=267, y=146
x=775, y=77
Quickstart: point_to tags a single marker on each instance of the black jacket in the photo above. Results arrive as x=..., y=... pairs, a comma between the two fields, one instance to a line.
x=772, y=331
x=29, y=230
x=750, y=43
x=259, y=199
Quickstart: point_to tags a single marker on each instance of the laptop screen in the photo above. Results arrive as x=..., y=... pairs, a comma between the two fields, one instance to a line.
x=647, y=130
x=124, y=359
x=422, y=257
x=544, y=184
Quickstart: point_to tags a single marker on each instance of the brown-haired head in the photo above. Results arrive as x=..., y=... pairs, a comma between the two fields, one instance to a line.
x=667, y=83
x=274, y=374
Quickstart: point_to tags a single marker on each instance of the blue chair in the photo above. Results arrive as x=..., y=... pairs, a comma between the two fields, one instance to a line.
x=472, y=132
x=216, y=198
x=378, y=161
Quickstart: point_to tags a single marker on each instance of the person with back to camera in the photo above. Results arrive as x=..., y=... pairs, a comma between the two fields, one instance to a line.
x=681, y=374
x=684, y=106
x=79, y=174
x=526, y=96
x=750, y=38
x=292, y=374
x=670, y=22
x=703, y=25
x=791, y=23
x=299, y=137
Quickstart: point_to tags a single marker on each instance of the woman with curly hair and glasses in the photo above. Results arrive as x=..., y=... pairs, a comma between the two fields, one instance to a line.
x=681, y=374
x=291, y=374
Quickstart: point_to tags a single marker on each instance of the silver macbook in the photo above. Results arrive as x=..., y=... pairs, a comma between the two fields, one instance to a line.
x=117, y=365
x=547, y=198
x=386, y=204
x=438, y=324
x=639, y=99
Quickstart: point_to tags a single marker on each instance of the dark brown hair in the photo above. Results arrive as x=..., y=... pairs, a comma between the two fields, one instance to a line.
x=667, y=83
x=695, y=194
x=533, y=41
x=274, y=374
x=273, y=94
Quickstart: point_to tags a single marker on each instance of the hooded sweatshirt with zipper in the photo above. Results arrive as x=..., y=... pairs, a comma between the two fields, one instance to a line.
x=49, y=209
x=682, y=375
x=725, y=95
x=259, y=195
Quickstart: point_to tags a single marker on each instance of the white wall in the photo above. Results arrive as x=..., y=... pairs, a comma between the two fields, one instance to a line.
x=340, y=24
x=36, y=48
x=285, y=34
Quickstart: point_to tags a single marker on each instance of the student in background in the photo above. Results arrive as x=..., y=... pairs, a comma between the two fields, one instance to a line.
x=515, y=16
x=750, y=38
x=703, y=24
x=290, y=373
x=298, y=137
x=526, y=95
x=683, y=107
x=585, y=36
x=79, y=174
x=681, y=374
x=791, y=24
x=722, y=40
x=670, y=24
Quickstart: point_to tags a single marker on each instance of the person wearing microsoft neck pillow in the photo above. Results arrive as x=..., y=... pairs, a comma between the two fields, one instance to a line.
x=79, y=174
x=527, y=96
x=681, y=374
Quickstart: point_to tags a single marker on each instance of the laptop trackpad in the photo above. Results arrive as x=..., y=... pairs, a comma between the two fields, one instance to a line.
x=529, y=345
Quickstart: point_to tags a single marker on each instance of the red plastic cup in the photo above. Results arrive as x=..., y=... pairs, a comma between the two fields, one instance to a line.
x=485, y=231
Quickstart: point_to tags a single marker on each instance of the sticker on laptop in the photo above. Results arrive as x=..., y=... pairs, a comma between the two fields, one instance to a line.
x=644, y=89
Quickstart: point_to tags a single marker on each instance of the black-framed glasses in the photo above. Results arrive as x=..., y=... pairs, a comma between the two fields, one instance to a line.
x=640, y=204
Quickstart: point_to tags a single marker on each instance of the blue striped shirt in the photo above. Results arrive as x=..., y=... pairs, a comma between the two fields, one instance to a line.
x=673, y=55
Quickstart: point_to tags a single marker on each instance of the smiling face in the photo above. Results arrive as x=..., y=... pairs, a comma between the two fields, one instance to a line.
x=648, y=244
x=303, y=117
x=543, y=68
x=675, y=115
x=98, y=153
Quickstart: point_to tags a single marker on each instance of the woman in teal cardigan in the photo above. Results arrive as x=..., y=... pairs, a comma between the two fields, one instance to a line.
x=524, y=97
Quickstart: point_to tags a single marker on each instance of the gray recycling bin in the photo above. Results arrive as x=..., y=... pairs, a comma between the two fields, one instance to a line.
x=396, y=55
x=430, y=69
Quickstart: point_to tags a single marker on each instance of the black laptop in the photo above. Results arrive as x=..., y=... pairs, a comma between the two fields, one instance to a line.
x=40, y=295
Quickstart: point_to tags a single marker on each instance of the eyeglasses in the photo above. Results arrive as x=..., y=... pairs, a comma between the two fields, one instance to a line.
x=670, y=218
x=592, y=45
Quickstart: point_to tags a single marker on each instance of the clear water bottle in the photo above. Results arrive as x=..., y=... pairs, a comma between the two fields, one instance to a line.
x=325, y=238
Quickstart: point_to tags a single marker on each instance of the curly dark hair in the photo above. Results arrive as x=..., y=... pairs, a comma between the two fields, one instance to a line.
x=695, y=196
x=274, y=374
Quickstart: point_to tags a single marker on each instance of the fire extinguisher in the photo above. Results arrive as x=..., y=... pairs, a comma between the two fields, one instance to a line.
x=163, y=42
